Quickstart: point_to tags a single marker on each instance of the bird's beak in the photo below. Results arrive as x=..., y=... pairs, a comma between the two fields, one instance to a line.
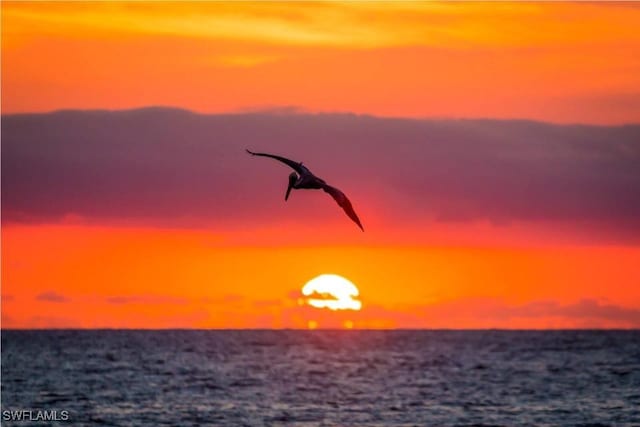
x=286, y=196
x=292, y=180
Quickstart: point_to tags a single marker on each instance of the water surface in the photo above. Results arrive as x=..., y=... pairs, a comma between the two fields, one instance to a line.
x=324, y=378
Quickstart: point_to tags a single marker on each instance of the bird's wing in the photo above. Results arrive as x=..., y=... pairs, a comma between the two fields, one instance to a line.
x=294, y=165
x=344, y=203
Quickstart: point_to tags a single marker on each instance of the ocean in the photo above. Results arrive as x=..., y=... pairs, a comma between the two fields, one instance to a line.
x=320, y=378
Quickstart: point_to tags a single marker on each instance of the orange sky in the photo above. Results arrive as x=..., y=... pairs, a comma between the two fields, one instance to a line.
x=554, y=62
x=88, y=276
x=558, y=62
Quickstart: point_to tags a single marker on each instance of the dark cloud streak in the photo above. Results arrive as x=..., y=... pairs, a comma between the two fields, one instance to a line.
x=492, y=309
x=51, y=296
x=146, y=299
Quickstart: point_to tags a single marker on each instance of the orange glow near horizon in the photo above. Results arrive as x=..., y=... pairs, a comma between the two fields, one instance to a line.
x=558, y=62
x=80, y=276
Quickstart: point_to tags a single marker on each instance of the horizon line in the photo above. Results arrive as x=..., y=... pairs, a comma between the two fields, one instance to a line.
x=594, y=329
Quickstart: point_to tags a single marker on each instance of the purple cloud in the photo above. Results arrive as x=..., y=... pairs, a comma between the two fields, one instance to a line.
x=146, y=299
x=492, y=309
x=51, y=296
x=589, y=308
x=52, y=322
x=162, y=166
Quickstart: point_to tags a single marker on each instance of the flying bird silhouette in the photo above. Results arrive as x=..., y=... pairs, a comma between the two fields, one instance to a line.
x=304, y=179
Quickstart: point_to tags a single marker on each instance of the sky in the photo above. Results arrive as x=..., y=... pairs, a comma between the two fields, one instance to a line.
x=491, y=150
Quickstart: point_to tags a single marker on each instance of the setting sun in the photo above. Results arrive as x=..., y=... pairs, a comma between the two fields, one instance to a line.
x=333, y=292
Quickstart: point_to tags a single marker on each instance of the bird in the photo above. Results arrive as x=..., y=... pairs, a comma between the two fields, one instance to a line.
x=302, y=178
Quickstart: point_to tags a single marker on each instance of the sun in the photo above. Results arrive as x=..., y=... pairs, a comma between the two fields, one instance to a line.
x=333, y=292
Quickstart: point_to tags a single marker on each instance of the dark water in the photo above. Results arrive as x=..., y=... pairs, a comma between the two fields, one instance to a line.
x=325, y=378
